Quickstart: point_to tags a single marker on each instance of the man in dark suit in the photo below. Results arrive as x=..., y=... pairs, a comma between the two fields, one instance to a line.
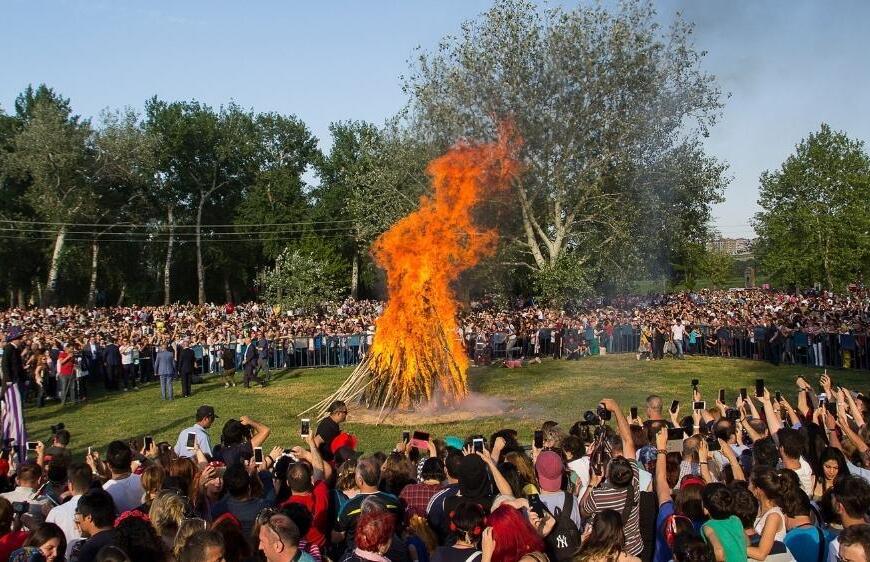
x=92, y=354
x=250, y=363
x=186, y=365
x=112, y=362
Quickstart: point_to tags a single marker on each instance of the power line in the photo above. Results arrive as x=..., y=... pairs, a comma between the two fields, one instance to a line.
x=185, y=240
x=180, y=235
x=224, y=225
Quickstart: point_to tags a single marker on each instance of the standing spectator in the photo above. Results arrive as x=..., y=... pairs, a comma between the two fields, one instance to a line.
x=50, y=541
x=124, y=486
x=328, y=428
x=855, y=544
x=416, y=496
x=264, y=350
x=203, y=546
x=228, y=358
x=128, y=356
x=375, y=531
x=95, y=516
x=205, y=417
x=14, y=380
x=112, y=363
x=550, y=468
x=279, y=540
x=186, y=365
x=678, y=332
x=79, y=478
x=307, y=488
x=851, y=497
x=723, y=531
x=240, y=500
x=606, y=541
x=27, y=480
x=66, y=373
x=368, y=474
x=250, y=364
x=511, y=538
x=164, y=366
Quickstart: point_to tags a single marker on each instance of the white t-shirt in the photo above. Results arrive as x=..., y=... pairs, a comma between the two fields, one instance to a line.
x=677, y=331
x=127, y=492
x=63, y=516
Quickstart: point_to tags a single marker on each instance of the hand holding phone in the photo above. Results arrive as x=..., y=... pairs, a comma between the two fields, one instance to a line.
x=477, y=443
x=149, y=440
x=722, y=395
x=258, y=455
x=674, y=405
x=539, y=439
x=633, y=412
x=420, y=440
x=759, y=388
x=191, y=440
x=305, y=430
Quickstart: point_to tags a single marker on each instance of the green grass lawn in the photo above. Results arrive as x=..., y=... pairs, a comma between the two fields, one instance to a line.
x=558, y=390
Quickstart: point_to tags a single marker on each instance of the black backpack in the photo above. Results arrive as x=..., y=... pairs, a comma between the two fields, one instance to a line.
x=563, y=542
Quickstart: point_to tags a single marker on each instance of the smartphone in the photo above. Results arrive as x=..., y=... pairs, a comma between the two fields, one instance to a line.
x=406, y=436
x=713, y=444
x=778, y=396
x=759, y=388
x=694, y=383
x=477, y=443
x=674, y=405
x=722, y=395
x=743, y=394
x=633, y=412
x=699, y=405
x=31, y=445
x=420, y=440
x=90, y=452
x=191, y=440
x=258, y=455
x=149, y=440
x=305, y=431
x=675, y=439
x=539, y=439
x=536, y=505
x=823, y=398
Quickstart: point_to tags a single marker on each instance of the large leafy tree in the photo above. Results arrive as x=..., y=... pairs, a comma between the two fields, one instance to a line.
x=612, y=111
x=815, y=220
x=52, y=152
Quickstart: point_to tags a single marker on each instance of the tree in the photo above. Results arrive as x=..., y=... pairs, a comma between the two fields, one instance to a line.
x=370, y=179
x=302, y=278
x=815, y=218
x=610, y=110
x=52, y=152
x=719, y=266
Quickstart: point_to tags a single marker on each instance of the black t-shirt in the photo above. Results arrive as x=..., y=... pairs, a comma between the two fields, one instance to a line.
x=453, y=554
x=451, y=503
x=229, y=359
x=328, y=430
x=232, y=454
x=349, y=514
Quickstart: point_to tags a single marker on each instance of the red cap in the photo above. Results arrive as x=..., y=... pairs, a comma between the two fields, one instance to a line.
x=691, y=480
x=343, y=440
x=549, y=467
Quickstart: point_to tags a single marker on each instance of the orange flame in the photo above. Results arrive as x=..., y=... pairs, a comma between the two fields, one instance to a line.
x=416, y=347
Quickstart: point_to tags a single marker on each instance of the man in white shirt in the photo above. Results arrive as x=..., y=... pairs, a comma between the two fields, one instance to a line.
x=851, y=496
x=205, y=417
x=79, y=477
x=791, y=446
x=27, y=480
x=124, y=486
x=678, y=331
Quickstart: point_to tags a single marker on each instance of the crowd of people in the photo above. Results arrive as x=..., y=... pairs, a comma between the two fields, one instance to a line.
x=752, y=476
x=123, y=347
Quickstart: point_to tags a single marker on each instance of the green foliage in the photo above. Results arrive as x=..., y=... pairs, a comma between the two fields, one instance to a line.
x=303, y=277
x=612, y=111
x=565, y=280
x=815, y=220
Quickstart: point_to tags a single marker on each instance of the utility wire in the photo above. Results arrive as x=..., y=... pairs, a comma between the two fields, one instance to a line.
x=124, y=225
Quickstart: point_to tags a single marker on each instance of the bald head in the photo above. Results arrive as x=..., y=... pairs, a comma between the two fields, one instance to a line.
x=654, y=406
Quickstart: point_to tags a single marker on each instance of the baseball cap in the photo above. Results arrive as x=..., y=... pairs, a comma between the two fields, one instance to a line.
x=205, y=412
x=691, y=480
x=549, y=467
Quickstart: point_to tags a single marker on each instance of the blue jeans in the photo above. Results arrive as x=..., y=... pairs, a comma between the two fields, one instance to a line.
x=166, y=387
x=679, y=346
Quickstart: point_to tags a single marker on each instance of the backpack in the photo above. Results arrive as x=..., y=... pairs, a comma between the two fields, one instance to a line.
x=563, y=542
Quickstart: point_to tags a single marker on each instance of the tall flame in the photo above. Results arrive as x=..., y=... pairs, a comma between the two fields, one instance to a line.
x=416, y=348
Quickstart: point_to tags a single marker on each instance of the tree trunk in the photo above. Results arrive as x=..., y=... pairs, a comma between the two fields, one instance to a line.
x=11, y=297
x=354, y=274
x=92, y=290
x=21, y=302
x=122, y=295
x=228, y=293
x=200, y=268
x=50, y=293
x=39, y=290
x=167, y=267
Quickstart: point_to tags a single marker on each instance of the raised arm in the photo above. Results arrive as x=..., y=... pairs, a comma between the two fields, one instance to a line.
x=261, y=431
x=663, y=489
x=500, y=482
x=773, y=422
x=624, y=428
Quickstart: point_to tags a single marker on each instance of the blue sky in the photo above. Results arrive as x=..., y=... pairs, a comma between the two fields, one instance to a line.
x=788, y=65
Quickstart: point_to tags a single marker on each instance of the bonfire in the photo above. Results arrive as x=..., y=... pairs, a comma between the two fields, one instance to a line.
x=417, y=352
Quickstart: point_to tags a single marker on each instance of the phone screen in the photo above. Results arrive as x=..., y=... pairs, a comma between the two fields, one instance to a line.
x=674, y=405
x=694, y=383
x=406, y=436
x=676, y=433
x=699, y=405
x=536, y=505
x=258, y=455
x=421, y=436
x=743, y=394
x=539, y=439
x=778, y=396
x=633, y=412
x=149, y=440
x=191, y=440
x=306, y=427
x=759, y=388
x=31, y=445
x=478, y=445
x=722, y=395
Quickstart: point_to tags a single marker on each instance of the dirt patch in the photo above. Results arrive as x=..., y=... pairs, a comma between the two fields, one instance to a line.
x=473, y=406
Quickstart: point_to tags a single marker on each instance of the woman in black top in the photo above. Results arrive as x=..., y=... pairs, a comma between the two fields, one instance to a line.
x=466, y=527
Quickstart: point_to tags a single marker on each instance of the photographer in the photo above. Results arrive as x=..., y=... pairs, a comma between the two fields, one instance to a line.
x=57, y=451
x=621, y=489
x=238, y=440
x=28, y=492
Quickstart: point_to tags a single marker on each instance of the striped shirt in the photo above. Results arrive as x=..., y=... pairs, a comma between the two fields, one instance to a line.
x=608, y=497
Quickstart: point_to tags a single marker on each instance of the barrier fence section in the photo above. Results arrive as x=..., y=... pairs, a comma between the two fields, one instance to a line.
x=824, y=350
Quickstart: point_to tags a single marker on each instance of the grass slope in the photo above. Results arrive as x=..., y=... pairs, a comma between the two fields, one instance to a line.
x=559, y=390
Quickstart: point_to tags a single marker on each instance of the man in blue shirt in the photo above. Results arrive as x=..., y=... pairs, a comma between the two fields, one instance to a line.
x=205, y=417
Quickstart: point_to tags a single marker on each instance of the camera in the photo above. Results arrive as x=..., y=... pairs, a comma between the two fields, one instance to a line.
x=590, y=418
x=603, y=413
x=59, y=426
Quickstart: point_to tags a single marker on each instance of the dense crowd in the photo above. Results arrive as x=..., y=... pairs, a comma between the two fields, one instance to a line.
x=749, y=477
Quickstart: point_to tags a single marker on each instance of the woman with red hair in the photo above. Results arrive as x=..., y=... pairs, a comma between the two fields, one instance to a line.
x=511, y=538
x=374, y=532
